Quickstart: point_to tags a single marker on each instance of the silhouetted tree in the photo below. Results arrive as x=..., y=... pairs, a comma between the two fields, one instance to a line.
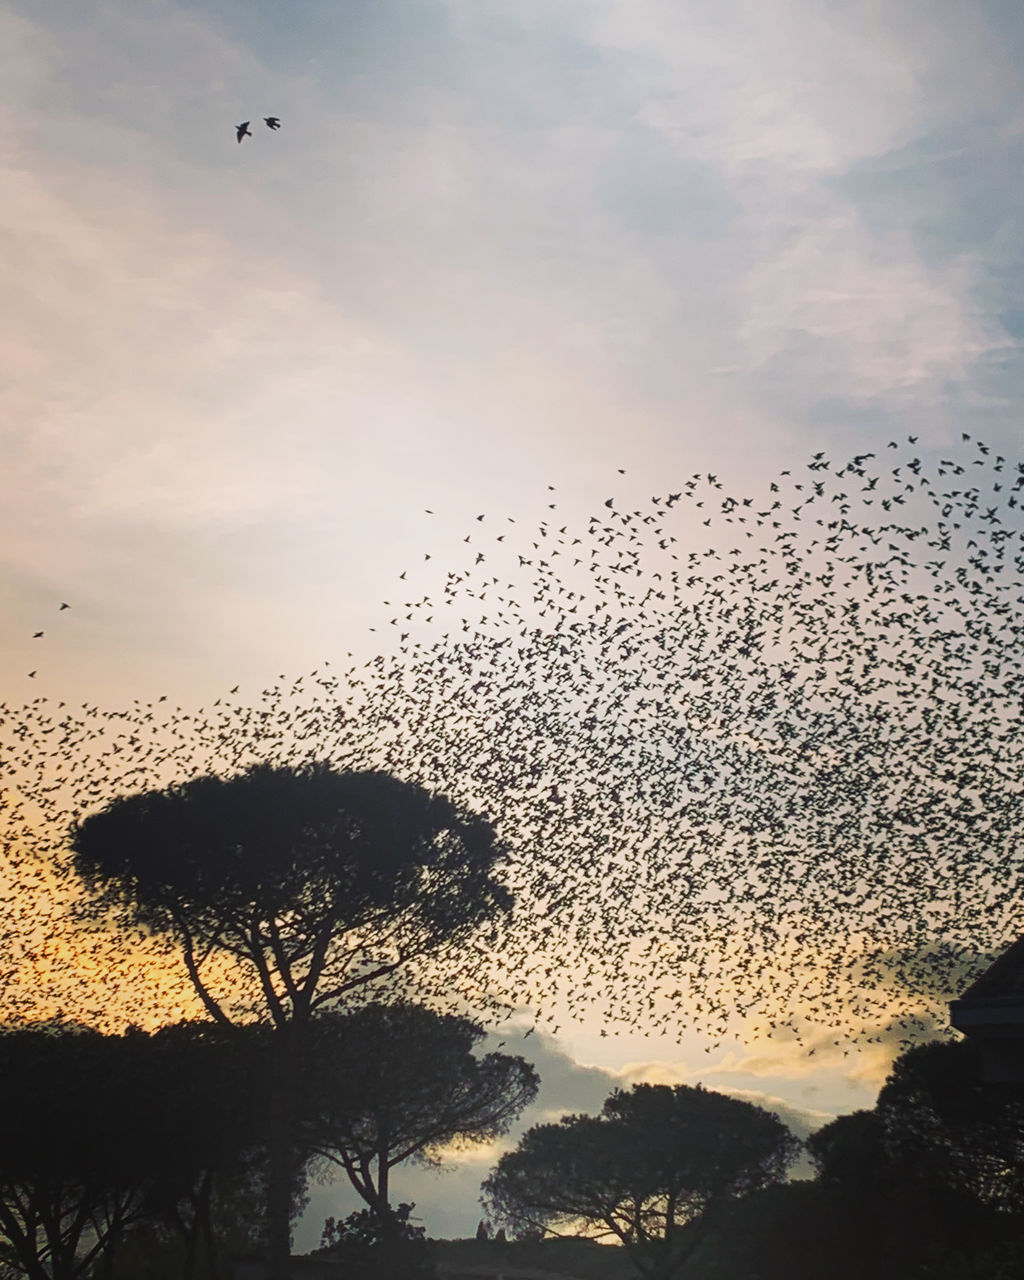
x=395, y=1083
x=647, y=1171
x=850, y=1152
x=138, y=1133
x=74, y=1157
x=379, y=1245
x=936, y=1169
x=790, y=1231
x=949, y=1129
x=207, y=1091
x=314, y=883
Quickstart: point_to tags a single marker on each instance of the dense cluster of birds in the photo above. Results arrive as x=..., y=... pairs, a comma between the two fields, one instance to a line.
x=757, y=759
x=243, y=131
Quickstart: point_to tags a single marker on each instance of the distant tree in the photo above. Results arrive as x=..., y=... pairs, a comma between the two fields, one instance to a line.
x=392, y=1083
x=379, y=1246
x=483, y=1231
x=647, y=1171
x=313, y=883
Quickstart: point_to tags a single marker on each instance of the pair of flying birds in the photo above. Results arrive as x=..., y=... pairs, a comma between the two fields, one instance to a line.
x=242, y=130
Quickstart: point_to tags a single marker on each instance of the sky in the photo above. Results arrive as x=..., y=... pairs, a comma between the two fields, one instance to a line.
x=493, y=247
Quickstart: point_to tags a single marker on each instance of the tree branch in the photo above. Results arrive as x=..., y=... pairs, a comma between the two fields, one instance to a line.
x=188, y=951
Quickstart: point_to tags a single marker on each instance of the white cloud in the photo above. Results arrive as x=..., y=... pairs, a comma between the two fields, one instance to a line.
x=776, y=101
x=843, y=313
x=206, y=333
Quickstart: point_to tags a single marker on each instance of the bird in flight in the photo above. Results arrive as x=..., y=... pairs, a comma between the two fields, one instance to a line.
x=63, y=606
x=242, y=130
x=272, y=122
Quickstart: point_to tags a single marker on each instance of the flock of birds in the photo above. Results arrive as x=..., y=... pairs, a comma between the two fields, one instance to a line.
x=757, y=759
x=243, y=131
x=38, y=635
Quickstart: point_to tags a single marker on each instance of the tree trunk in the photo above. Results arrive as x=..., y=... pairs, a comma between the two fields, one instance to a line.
x=281, y=1156
x=199, y=1231
x=387, y=1222
x=279, y=1193
x=205, y=1210
x=383, y=1188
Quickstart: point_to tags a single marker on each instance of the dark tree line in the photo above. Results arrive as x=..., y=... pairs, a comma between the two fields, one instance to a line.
x=165, y=1136
x=101, y=1133
x=928, y=1184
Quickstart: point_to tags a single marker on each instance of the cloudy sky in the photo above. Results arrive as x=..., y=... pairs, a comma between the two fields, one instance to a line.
x=494, y=246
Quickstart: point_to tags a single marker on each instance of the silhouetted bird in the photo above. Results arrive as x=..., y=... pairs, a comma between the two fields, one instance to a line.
x=242, y=130
x=272, y=122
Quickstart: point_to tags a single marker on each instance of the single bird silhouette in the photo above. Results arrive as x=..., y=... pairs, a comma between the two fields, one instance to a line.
x=272, y=122
x=242, y=130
